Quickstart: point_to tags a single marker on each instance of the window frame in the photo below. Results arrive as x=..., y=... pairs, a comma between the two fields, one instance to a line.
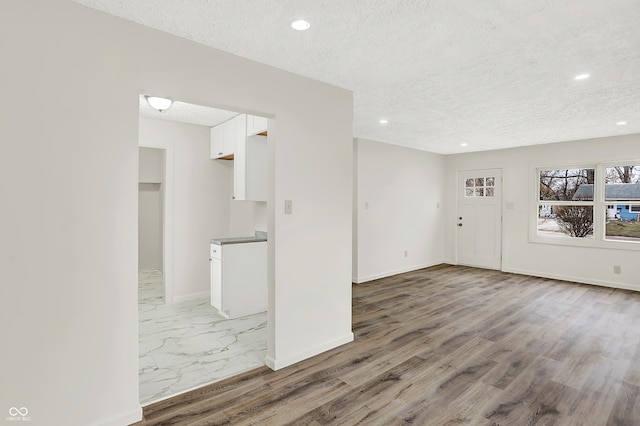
x=599, y=204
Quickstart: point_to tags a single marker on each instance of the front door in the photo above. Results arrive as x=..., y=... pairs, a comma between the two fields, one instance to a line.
x=479, y=220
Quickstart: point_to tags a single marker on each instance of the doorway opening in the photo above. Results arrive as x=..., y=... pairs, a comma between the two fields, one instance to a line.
x=184, y=341
x=151, y=206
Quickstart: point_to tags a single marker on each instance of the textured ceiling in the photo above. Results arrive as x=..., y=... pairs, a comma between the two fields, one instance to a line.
x=490, y=74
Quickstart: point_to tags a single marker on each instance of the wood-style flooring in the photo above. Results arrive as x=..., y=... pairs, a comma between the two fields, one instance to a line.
x=449, y=345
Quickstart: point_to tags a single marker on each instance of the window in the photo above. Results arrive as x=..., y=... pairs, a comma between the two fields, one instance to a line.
x=622, y=190
x=588, y=205
x=565, y=202
x=480, y=187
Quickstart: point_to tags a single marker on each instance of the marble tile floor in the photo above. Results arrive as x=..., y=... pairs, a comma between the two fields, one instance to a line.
x=187, y=344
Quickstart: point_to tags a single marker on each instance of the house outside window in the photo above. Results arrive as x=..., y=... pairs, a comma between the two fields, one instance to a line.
x=589, y=205
x=622, y=188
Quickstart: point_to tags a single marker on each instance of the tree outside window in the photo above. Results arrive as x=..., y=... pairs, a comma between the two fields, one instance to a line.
x=566, y=202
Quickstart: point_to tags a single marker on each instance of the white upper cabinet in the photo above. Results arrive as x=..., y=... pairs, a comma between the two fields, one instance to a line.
x=223, y=139
x=230, y=136
x=256, y=125
x=217, y=142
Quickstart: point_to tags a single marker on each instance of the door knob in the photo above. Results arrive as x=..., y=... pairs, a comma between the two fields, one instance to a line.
x=459, y=224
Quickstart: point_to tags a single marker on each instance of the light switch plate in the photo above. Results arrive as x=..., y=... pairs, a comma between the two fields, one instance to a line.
x=288, y=207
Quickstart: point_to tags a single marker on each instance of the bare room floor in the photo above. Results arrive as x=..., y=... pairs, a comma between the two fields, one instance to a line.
x=449, y=345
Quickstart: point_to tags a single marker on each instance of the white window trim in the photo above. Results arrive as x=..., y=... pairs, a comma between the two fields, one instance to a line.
x=599, y=208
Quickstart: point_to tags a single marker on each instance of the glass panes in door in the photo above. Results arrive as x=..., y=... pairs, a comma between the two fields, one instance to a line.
x=480, y=187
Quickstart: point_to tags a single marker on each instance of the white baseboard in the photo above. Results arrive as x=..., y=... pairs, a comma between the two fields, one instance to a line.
x=185, y=297
x=126, y=418
x=276, y=364
x=360, y=280
x=581, y=280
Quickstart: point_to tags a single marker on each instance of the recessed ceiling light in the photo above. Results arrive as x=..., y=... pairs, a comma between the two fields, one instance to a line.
x=581, y=76
x=464, y=144
x=621, y=123
x=383, y=121
x=300, y=25
x=159, y=103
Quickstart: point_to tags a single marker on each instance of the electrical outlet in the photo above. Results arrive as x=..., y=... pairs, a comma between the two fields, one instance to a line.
x=617, y=269
x=405, y=253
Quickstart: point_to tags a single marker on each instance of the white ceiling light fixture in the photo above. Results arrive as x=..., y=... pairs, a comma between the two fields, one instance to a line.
x=158, y=103
x=383, y=121
x=621, y=123
x=581, y=77
x=300, y=25
x=464, y=144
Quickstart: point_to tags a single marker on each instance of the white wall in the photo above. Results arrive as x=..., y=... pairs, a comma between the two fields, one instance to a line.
x=68, y=183
x=246, y=217
x=399, y=207
x=588, y=265
x=151, y=165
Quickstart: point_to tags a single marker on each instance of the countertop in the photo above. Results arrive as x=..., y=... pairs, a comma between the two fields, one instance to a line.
x=258, y=238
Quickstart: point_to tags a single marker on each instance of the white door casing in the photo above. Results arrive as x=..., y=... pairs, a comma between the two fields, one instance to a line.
x=479, y=219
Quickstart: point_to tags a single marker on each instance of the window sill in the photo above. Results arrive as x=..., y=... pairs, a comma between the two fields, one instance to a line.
x=586, y=243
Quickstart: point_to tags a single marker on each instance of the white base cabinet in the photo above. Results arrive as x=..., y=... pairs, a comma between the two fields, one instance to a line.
x=239, y=278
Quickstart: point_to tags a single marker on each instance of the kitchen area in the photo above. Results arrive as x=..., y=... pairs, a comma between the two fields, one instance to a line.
x=239, y=263
x=202, y=315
